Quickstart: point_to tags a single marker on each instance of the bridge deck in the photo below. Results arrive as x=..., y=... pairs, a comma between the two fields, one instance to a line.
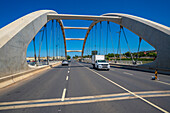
x=84, y=89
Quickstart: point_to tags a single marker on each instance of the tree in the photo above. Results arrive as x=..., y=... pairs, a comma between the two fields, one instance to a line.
x=68, y=57
x=110, y=55
x=142, y=54
x=94, y=52
x=127, y=54
x=76, y=56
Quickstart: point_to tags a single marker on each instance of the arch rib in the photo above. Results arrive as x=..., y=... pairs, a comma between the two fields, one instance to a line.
x=155, y=34
x=15, y=38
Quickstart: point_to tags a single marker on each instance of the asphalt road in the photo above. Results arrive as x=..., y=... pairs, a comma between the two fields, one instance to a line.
x=78, y=88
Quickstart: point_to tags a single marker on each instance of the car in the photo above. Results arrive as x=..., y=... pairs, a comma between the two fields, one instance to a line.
x=99, y=62
x=102, y=64
x=65, y=62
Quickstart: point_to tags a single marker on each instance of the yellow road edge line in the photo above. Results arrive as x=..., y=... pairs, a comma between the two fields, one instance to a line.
x=75, y=102
x=29, y=101
x=83, y=97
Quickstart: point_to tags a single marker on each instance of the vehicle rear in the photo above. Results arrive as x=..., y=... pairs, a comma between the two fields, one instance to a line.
x=65, y=62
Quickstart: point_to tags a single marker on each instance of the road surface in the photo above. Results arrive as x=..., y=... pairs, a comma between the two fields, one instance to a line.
x=78, y=88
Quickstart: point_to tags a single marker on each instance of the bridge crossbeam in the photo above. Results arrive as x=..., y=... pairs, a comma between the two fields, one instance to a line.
x=84, y=28
x=74, y=50
x=74, y=38
x=116, y=19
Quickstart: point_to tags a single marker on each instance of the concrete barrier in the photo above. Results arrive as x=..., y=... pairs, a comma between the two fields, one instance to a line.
x=8, y=80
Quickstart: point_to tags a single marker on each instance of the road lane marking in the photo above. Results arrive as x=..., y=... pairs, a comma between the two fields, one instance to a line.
x=68, y=68
x=68, y=71
x=150, y=103
x=127, y=73
x=163, y=82
x=67, y=78
x=86, y=97
x=156, y=80
x=64, y=94
x=80, y=100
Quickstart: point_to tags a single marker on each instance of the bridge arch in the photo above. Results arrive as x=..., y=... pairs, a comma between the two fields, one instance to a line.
x=15, y=38
x=155, y=34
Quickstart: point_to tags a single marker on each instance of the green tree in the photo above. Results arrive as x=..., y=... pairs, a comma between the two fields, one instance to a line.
x=68, y=57
x=127, y=54
x=110, y=55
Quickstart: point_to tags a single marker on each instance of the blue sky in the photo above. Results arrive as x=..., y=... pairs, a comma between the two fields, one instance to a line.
x=155, y=10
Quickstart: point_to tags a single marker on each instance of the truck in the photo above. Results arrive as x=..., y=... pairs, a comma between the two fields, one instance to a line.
x=99, y=62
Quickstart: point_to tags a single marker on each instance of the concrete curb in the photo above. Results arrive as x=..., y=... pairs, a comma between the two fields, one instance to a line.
x=8, y=80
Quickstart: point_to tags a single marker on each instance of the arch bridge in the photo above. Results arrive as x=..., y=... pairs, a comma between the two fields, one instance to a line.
x=16, y=36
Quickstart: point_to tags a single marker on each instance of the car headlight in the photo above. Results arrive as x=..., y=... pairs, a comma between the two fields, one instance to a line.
x=108, y=66
x=100, y=66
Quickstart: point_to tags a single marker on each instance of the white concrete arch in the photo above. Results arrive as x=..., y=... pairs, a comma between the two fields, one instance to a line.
x=15, y=38
x=155, y=34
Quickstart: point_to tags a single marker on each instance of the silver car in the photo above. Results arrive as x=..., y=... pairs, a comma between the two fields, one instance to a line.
x=65, y=62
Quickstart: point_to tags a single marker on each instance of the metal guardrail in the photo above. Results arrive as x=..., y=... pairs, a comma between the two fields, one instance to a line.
x=118, y=62
x=41, y=63
x=126, y=62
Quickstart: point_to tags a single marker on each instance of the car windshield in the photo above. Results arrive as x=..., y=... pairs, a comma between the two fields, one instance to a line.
x=65, y=61
x=101, y=60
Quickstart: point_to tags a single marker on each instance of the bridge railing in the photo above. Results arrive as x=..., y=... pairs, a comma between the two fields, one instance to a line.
x=126, y=62
x=42, y=63
x=117, y=62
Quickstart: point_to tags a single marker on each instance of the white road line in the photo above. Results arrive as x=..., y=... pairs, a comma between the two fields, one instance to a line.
x=80, y=100
x=68, y=71
x=64, y=94
x=145, y=94
x=163, y=82
x=68, y=68
x=159, y=108
x=67, y=78
x=127, y=73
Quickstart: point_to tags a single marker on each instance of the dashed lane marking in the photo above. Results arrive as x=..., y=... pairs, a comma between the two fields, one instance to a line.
x=127, y=73
x=64, y=94
x=67, y=78
x=150, y=103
